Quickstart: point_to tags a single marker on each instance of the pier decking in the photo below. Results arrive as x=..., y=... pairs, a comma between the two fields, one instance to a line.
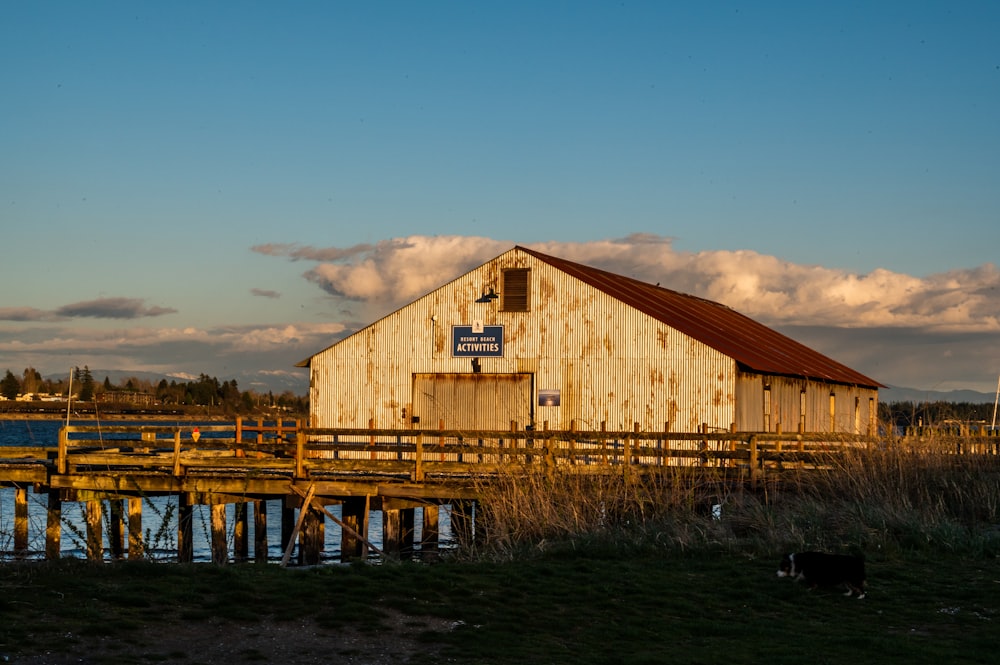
x=393, y=471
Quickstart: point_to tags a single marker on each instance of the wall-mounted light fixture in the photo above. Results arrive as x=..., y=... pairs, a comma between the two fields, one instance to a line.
x=488, y=296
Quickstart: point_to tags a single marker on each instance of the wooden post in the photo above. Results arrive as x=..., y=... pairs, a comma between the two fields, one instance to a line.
x=604, y=442
x=287, y=524
x=300, y=448
x=407, y=532
x=572, y=441
x=95, y=532
x=363, y=527
x=149, y=439
x=550, y=456
x=311, y=535
x=53, y=527
x=754, y=470
x=354, y=530
x=303, y=512
x=441, y=438
x=61, y=454
x=732, y=445
x=239, y=429
x=665, y=457
x=20, y=522
x=241, y=535
x=430, y=534
x=391, y=531
x=260, y=531
x=116, y=531
x=185, y=528
x=136, y=547
x=418, y=459
x=177, y=453
x=627, y=446
x=220, y=551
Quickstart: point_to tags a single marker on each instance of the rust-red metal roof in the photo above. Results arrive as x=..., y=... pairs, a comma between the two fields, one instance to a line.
x=751, y=344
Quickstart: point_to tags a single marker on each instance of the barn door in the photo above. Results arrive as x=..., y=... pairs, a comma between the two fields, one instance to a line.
x=472, y=401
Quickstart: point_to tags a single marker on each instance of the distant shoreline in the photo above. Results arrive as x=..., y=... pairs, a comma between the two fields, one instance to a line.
x=20, y=415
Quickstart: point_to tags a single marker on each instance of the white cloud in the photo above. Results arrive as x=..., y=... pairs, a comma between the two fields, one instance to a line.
x=922, y=332
x=394, y=272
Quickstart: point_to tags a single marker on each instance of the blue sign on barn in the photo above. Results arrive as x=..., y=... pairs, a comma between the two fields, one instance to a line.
x=477, y=341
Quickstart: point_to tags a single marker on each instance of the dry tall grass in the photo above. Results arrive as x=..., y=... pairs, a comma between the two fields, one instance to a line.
x=888, y=499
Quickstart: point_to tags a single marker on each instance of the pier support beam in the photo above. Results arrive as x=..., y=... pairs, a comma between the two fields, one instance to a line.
x=136, y=546
x=407, y=532
x=241, y=536
x=94, y=510
x=354, y=513
x=391, y=531
x=260, y=531
x=220, y=551
x=20, y=522
x=311, y=537
x=430, y=532
x=116, y=532
x=287, y=524
x=185, y=528
x=53, y=526
x=397, y=531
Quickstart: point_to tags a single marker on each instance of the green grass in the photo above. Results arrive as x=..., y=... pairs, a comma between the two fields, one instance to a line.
x=562, y=607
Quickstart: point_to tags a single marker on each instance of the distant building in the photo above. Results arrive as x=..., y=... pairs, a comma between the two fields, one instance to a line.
x=127, y=397
x=528, y=338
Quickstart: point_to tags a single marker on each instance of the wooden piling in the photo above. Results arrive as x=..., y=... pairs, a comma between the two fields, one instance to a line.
x=430, y=532
x=260, y=531
x=136, y=545
x=95, y=532
x=287, y=523
x=53, y=526
x=220, y=551
x=311, y=536
x=354, y=513
x=116, y=531
x=185, y=528
x=391, y=531
x=407, y=532
x=241, y=536
x=20, y=522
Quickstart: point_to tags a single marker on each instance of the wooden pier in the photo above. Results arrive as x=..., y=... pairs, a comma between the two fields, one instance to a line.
x=307, y=470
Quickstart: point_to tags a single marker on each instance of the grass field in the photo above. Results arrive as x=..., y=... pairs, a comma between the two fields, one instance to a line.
x=583, y=572
x=561, y=607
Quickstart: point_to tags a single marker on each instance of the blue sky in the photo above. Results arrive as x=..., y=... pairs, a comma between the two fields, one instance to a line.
x=223, y=187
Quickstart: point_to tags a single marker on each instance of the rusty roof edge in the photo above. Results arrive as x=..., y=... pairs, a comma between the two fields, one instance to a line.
x=783, y=355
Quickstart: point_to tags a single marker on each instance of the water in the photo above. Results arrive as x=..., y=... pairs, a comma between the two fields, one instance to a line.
x=159, y=514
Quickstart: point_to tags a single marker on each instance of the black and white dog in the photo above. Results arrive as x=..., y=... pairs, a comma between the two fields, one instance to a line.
x=822, y=569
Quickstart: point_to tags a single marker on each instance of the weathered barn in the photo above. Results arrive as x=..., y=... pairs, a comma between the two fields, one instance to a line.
x=528, y=338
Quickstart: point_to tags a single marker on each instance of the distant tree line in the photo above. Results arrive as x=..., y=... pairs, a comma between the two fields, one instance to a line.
x=934, y=414
x=205, y=392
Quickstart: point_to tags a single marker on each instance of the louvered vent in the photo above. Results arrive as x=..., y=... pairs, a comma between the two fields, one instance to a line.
x=515, y=290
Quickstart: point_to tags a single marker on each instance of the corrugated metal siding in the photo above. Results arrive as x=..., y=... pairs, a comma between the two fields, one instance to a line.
x=795, y=401
x=610, y=363
x=748, y=342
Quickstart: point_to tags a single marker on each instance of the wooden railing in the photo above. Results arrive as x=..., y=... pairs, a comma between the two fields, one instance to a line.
x=419, y=455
